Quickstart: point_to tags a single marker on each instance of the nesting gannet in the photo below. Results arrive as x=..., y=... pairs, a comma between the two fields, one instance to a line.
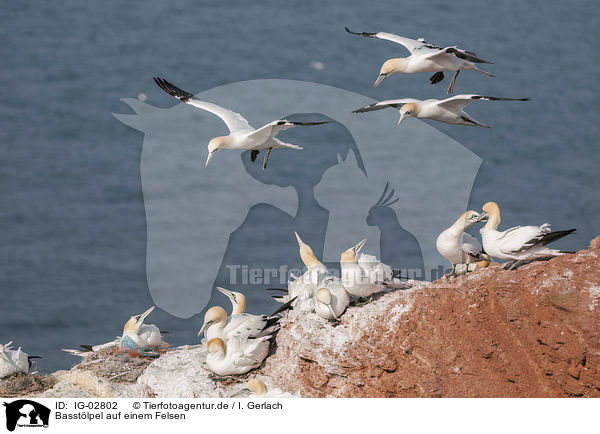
x=456, y=245
x=140, y=336
x=236, y=357
x=239, y=324
x=520, y=243
x=425, y=57
x=331, y=299
x=241, y=134
x=13, y=361
x=449, y=110
x=363, y=275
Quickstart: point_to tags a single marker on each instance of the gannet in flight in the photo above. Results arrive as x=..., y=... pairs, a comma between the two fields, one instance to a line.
x=236, y=357
x=331, y=299
x=520, y=243
x=239, y=324
x=241, y=134
x=140, y=336
x=13, y=361
x=458, y=246
x=425, y=57
x=449, y=110
x=364, y=275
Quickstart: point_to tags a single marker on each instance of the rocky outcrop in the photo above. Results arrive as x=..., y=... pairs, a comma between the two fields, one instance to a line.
x=531, y=332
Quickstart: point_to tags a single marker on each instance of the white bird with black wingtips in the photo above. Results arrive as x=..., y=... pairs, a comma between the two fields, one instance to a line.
x=449, y=110
x=241, y=135
x=458, y=246
x=13, y=361
x=426, y=57
x=237, y=355
x=331, y=299
x=520, y=243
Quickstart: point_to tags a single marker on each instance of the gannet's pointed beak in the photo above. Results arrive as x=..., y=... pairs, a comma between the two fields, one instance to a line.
x=402, y=117
x=483, y=217
x=210, y=156
x=332, y=312
x=204, y=327
x=143, y=316
x=357, y=248
x=226, y=292
x=300, y=242
x=379, y=79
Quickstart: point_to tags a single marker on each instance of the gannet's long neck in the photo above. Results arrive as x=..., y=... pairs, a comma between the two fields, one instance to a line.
x=239, y=306
x=459, y=226
x=493, y=219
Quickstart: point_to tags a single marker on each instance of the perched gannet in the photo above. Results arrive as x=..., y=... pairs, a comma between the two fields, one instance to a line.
x=449, y=110
x=239, y=324
x=459, y=247
x=13, y=361
x=331, y=299
x=238, y=300
x=520, y=243
x=241, y=134
x=363, y=275
x=236, y=357
x=303, y=288
x=140, y=336
x=425, y=57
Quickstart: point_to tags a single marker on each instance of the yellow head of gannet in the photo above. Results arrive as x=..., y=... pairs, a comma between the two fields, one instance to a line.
x=324, y=297
x=408, y=110
x=238, y=300
x=214, y=145
x=492, y=211
x=214, y=315
x=135, y=322
x=351, y=254
x=469, y=218
x=216, y=345
x=306, y=253
x=390, y=67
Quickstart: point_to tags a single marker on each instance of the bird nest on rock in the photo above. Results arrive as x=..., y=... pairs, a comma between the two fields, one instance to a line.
x=118, y=364
x=21, y=384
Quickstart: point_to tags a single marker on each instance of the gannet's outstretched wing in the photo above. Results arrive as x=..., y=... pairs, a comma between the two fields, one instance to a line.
x=412, y=45
x=396, y=103
x=270, y=130
x=233, y=120
x=458, y=102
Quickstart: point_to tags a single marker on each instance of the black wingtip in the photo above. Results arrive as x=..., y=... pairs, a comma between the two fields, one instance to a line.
x=34, y=357
x=172, y=90
x=367, y=34
x=284, y=307
x=87, y=347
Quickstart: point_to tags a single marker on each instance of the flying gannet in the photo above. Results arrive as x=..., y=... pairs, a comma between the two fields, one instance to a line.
x=364, y=275
x=241, y=134
x=236, y=357
x=331, y=299
x=13, y=361
x=449, y=110
x=425, y=57
x=458, y=246
x=520, y=243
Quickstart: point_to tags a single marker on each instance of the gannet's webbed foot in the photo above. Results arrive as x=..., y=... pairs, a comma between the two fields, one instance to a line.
x=451, y=87
x=437, y=77
x=253, y=155
x=266, y=158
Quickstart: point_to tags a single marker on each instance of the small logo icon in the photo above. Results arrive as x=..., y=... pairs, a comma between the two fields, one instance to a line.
x=26, y=413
